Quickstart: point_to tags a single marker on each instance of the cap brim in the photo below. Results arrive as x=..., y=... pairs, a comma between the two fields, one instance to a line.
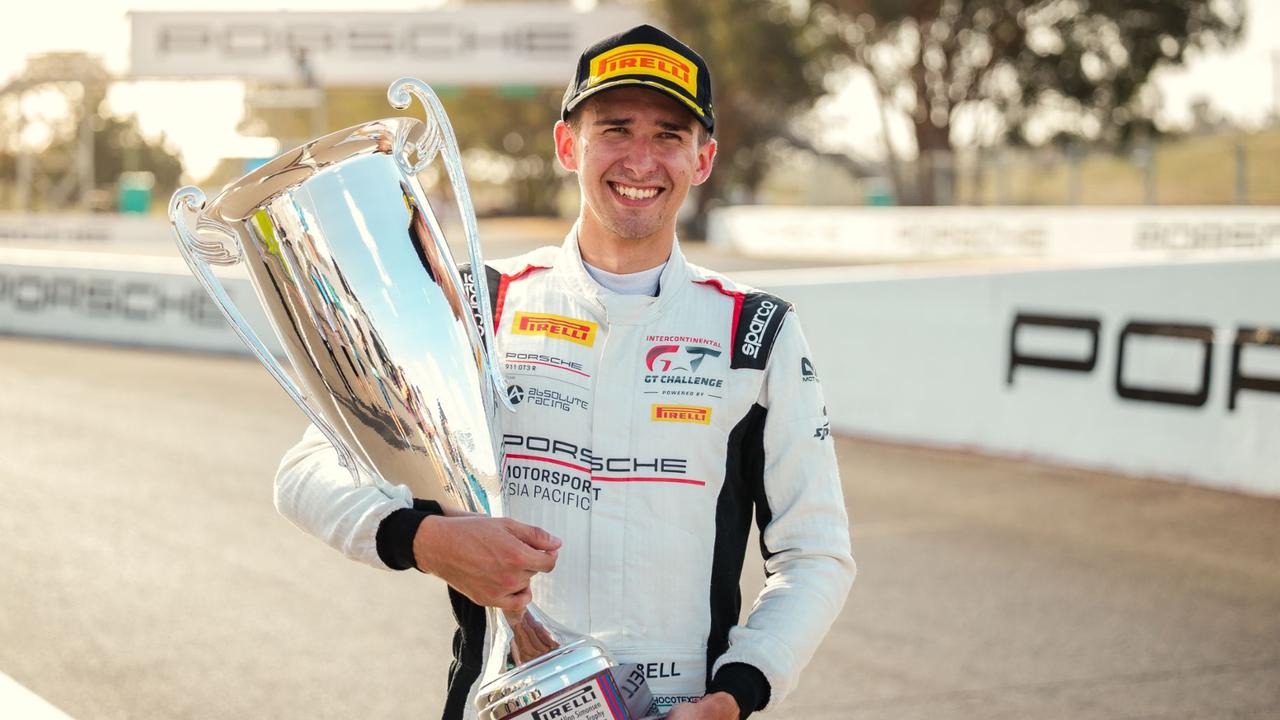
x=698, y=113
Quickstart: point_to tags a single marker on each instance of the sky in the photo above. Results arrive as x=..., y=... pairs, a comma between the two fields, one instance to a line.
x=201, y=117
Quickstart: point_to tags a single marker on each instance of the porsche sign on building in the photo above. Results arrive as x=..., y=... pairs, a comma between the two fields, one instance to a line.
x=468, y=45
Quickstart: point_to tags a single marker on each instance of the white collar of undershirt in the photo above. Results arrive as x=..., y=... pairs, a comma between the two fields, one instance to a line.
x=644, y=282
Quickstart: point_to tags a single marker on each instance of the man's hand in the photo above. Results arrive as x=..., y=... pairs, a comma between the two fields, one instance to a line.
x=716, y=706
x=530, y=639
x=490, y=560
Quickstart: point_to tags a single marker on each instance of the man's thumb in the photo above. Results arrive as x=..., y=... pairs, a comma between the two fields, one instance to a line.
x=535, y=537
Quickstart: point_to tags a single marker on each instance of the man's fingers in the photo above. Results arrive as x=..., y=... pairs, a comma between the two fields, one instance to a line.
x=534, y=537
x=540, y=561
x=544, y=637
x=515, y=602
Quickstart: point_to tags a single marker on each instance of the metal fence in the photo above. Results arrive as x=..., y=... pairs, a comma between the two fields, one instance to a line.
x=1235, y=169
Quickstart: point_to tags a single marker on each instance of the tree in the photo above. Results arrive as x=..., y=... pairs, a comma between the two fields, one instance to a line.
x=118, y=144
x=506, y=130
x=1012, y=63
x=767, y=70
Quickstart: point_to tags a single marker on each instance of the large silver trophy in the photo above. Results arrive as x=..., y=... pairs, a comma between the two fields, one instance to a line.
x=349, y=262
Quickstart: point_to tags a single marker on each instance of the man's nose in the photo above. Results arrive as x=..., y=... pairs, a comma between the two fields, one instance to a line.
x=639, y=158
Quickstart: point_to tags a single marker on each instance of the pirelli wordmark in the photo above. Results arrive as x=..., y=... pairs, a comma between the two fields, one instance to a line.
x=582, y=332
x=1198, y=337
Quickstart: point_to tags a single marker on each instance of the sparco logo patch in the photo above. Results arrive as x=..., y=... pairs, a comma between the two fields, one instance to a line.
x=582, y=332
x=755, y=331
x=645, y=59
x=570, y=705
x=681, y=414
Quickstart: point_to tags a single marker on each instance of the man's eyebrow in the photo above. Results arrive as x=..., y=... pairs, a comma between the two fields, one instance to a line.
x=668, y=125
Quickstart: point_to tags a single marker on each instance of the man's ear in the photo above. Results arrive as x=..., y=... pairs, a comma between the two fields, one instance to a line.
x=564, y=146
x=706, y=158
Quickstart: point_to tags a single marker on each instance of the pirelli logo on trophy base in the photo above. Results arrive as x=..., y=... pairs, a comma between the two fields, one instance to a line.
x=645, y=59
x=582, y=332
x=681, y=414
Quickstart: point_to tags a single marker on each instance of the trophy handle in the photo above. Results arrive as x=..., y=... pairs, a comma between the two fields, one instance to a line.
x=440, y=137
x=200, y=254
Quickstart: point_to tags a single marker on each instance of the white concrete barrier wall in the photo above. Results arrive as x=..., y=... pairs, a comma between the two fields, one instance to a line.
x=856, y=233
x=1167, y=370
x=126, y=299
x=84, y=229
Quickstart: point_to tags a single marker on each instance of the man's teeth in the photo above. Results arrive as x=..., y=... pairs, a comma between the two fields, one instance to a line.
x=635, y=193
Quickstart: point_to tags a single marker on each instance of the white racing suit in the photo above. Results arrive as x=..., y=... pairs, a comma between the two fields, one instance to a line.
x=648, y=431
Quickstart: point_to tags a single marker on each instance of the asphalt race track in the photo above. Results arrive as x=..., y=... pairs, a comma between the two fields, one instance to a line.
x=145, y=574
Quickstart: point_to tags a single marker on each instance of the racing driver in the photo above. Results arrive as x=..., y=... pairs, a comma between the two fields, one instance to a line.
x=659, y=406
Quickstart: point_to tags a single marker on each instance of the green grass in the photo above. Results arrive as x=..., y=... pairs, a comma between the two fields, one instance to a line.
x=1197, y=170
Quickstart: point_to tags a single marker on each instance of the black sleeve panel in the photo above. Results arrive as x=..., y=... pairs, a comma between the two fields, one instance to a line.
x=396, y=532
x=745, y=683
x=468, y=654
x=758, y=322
x=741, y=492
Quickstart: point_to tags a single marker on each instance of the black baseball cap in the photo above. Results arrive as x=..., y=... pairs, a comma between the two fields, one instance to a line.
x=648, y=57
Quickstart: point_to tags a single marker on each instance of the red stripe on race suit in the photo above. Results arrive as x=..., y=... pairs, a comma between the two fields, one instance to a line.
x=738, y=297
x=551, y=365
x=502, y=292
x=605, y=478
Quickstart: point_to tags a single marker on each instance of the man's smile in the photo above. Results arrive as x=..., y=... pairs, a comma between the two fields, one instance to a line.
x=634, y=195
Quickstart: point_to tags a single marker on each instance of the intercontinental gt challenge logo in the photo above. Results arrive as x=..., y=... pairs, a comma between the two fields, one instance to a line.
x=681, y=369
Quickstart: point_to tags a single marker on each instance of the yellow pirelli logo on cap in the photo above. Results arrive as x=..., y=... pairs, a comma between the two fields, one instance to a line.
x=681, y=413
x=582, y=332
x=645, y=59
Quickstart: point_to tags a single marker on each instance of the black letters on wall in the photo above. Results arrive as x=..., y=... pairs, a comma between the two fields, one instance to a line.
x=1085, y=365
x=1238, y=381
x=1203, y=333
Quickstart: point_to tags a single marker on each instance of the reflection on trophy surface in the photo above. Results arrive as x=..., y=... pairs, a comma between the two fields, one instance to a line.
x=351, y=265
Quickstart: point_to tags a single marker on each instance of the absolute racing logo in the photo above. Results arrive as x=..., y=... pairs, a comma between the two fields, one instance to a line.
x=582, y=332
x=680, y=414
x=563, y=402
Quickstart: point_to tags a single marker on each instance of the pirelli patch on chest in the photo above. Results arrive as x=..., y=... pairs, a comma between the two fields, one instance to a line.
x=582, y=332
x=757, y=326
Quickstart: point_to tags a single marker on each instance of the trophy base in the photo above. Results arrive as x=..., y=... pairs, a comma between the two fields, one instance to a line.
x=573, y=682
x=596, y=698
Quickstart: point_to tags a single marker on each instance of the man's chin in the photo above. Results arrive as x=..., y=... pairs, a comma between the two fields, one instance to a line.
x=635, y=230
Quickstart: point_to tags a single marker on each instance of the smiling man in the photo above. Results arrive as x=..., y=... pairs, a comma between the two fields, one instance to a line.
x=659, y=407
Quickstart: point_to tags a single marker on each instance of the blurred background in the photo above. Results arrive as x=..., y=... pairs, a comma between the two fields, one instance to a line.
x=1035, y=245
